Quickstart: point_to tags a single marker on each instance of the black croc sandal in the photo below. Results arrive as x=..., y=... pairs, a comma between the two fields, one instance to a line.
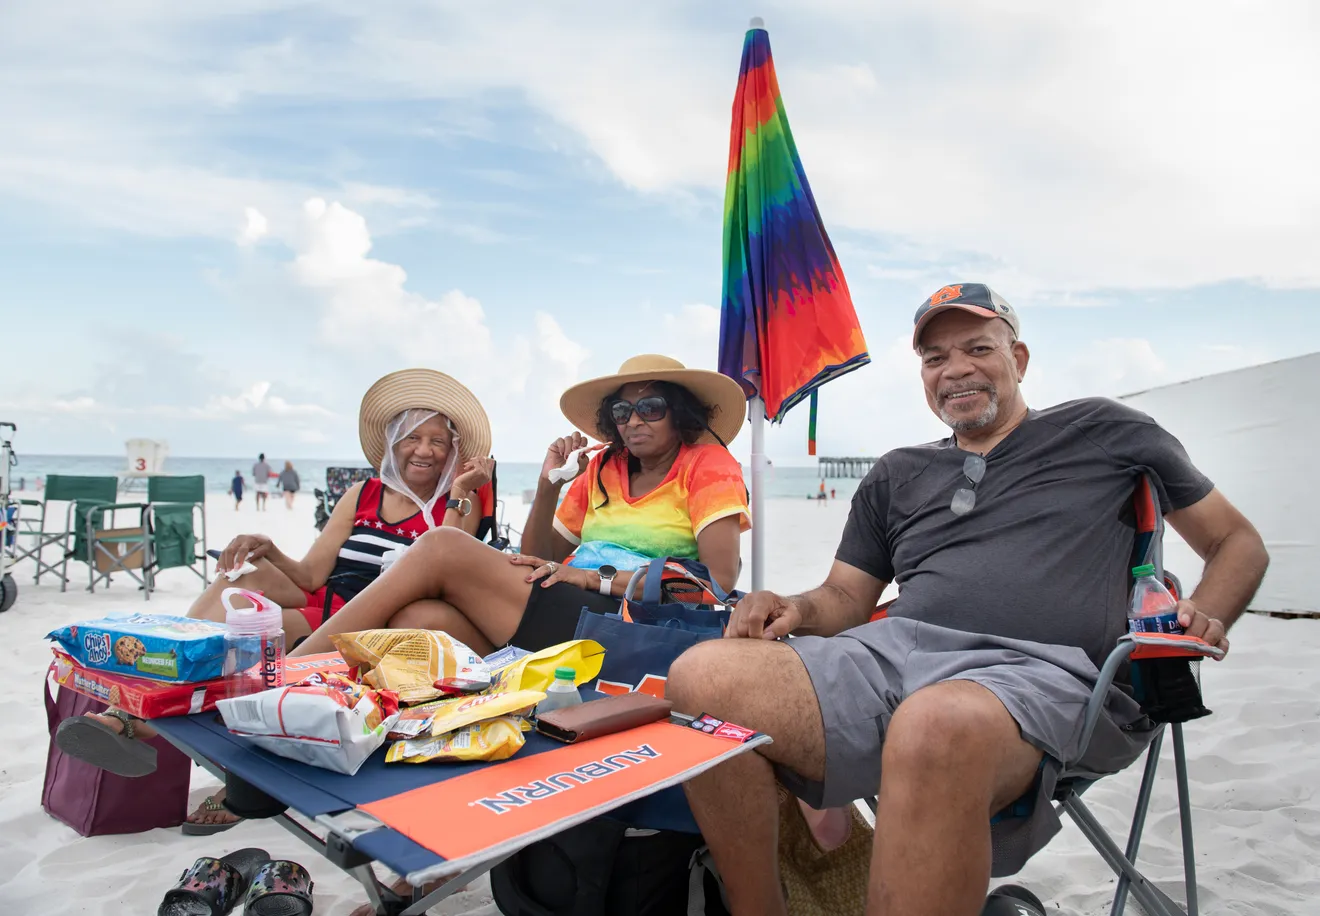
x=1013, y=900
x=213, y=887
x=280, y=888
x=89, y=739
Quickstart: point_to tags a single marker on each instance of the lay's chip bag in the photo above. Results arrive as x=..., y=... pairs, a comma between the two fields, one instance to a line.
x=419, y=665
x=537, y=670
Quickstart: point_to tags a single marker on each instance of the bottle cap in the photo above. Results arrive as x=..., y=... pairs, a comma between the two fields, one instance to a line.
x=1147, y=569
x=263, y=618
x=565, y=674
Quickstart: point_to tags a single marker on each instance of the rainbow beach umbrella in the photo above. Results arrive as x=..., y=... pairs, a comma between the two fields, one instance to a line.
x=787, y=323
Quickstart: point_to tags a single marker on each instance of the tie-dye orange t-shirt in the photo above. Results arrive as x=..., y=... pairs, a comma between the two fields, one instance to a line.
x=704, y=485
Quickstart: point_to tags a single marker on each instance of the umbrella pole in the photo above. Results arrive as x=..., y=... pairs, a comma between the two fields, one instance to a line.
x=756, y=414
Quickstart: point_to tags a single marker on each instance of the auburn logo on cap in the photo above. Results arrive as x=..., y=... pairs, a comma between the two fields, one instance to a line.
x=944, y=295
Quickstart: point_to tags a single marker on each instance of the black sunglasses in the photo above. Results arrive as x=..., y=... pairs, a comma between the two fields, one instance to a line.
x=650, y=409
x=964, y=499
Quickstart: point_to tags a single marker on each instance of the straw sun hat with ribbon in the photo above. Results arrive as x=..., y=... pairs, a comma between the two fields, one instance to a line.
x=581, y=403
x=428, y=389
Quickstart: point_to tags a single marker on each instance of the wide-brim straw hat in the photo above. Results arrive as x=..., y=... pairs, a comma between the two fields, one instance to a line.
x=428, y=389
x=581, y=403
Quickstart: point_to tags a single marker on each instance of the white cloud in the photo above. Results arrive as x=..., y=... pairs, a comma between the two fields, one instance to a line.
x=365, y=310
x=255, y=227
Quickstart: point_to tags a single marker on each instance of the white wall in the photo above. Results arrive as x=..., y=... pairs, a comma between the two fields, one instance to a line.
x=1256, y=433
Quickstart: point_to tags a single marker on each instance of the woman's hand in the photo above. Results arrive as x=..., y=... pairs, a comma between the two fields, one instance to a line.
x=472, y=476
x=244, y=547
x=558, y=453
x=551, y=572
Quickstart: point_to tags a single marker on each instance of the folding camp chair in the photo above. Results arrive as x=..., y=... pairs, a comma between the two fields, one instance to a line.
x=86, y=496
x=1138, y=654
x=337, y=482
x=164, y=537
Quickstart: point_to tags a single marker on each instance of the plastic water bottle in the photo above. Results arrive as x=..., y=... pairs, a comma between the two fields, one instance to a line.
x=563, y=692
x=254, y=643
x=1154, y=609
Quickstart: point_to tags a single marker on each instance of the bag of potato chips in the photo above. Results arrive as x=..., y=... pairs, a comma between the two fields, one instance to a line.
x=326, y=720
x=419, y=665
x=496, y=739
x=537, y=670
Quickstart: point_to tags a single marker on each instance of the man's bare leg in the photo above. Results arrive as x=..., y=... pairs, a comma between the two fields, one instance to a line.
x=953, y=757
x=736, y=804
x=445, y=564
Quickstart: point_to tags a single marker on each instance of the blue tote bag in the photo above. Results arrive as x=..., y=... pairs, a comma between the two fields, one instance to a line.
x=642, y=641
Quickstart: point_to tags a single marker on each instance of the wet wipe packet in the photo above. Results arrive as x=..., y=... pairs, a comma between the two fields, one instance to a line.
x=419, y=665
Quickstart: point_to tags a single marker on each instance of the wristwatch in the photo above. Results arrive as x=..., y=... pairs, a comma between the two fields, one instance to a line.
x=607, y=574
x=464, y=506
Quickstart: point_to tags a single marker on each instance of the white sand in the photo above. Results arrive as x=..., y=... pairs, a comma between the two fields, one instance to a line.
x=1255, y=765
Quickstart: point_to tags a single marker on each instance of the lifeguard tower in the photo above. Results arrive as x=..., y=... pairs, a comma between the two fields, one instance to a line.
x=146, y=458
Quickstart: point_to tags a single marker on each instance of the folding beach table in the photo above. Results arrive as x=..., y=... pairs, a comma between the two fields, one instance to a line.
x=457, y=821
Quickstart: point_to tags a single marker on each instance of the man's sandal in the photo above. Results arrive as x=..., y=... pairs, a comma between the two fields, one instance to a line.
x=89, y=739
x=210, y=805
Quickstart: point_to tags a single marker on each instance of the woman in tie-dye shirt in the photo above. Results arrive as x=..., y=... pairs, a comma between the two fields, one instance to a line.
x=664, y=485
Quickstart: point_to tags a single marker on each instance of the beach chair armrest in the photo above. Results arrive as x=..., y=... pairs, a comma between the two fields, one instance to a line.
x=1169, y=645
x=1096, y=705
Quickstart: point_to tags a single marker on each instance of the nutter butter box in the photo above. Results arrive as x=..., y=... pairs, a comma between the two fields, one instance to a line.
x=154, y=700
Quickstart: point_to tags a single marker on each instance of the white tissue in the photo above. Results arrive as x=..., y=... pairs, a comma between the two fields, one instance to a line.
x=233, y=574
x=570, y=468
x=390, y=557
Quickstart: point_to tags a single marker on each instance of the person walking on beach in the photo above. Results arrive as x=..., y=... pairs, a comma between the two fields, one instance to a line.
x=289, y=484
x=236, y=489
x=261, y=475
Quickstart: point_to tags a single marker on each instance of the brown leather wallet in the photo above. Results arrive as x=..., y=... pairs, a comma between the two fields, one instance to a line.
x=602, y=717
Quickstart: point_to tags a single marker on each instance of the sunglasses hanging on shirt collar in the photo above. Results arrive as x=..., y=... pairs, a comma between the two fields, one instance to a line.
x=964, y=499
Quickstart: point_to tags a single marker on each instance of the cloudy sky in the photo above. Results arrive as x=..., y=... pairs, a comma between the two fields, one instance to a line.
x=220, y=222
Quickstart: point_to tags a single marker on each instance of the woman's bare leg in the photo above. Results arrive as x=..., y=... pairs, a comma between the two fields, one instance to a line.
x=478, y=581
x=432, y=614
x=268, y=580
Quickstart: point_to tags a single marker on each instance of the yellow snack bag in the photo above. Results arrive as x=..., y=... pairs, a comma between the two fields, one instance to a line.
x=455, y=713
x=496, y=739
x=419, y=665
x=537, y=671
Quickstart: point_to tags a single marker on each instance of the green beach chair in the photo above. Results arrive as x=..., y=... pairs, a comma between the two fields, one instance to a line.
x=87, y=498
x=165, y=537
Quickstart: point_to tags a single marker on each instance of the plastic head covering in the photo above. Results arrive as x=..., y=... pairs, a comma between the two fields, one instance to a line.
x=390, y=473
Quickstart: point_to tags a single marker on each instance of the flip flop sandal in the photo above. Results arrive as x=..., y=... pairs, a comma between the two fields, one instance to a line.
x=91, y=740
x=1013, y=900
x=192, y=828
x=213, y=887
x=279, y=888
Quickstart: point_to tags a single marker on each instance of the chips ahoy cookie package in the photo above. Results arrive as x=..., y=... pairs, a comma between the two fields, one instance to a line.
x=156, y=646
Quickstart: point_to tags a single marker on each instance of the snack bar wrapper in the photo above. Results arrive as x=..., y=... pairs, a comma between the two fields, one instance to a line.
x=325, y=720
x=179, y=650
x=418, y=665
x=495, y=739
x=441, y=716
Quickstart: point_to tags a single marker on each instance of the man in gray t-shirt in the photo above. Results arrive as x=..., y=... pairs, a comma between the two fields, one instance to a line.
x=1010, y=543
x=261, y=475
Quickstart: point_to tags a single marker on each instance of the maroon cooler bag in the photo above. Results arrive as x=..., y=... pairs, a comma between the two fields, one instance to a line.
x=95, y=802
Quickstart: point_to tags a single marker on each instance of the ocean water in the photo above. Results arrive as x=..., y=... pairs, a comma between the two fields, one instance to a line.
x=513, y=478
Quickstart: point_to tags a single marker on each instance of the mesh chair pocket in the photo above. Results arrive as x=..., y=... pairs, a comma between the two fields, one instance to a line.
x=1169, y=689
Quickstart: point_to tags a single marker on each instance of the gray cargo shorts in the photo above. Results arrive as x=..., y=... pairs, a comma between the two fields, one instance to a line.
x=861, y=676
